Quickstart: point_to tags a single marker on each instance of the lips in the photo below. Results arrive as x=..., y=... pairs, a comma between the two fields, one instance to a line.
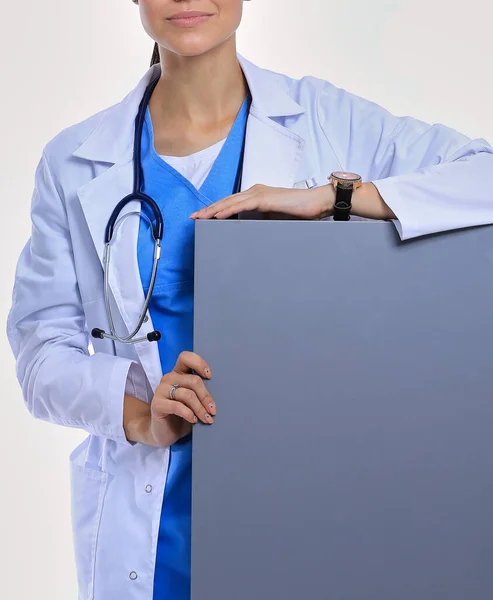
x=190, y=18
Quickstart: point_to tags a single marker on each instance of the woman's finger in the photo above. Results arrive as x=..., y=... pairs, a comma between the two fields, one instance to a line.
x=190, y=399
x=234, y=209
x=190, y=361
x=196, y=383
x=225, y=200
x=234, y=206
x=164, y=407
x=210, y=211
x=191, y=390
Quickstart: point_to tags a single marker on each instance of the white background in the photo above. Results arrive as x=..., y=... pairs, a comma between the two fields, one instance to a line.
x=62, y=61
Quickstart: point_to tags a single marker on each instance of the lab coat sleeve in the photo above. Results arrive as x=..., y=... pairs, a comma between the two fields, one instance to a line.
x=434, y=179
x=61, y=382
x=431, y=176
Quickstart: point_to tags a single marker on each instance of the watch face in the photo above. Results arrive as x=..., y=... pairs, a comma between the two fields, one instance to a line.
x=346, y=176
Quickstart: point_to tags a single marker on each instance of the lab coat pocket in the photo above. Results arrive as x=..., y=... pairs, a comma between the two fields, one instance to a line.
x=88, y=489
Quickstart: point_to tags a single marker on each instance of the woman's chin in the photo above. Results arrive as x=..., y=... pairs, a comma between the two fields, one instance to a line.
x=192, y=44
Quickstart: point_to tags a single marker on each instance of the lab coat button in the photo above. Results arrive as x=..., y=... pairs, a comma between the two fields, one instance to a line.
x=133, y=575
x=148, y=489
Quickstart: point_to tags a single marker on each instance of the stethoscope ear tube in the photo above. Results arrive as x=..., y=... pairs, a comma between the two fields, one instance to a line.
x=137, y=193
x=157, y=227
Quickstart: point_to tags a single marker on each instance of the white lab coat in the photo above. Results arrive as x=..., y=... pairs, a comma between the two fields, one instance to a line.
x=432, y=177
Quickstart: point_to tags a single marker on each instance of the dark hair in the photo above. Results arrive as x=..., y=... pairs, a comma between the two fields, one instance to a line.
x=155, y=55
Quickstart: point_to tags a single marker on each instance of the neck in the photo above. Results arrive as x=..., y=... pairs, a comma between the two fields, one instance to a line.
x=199, y=90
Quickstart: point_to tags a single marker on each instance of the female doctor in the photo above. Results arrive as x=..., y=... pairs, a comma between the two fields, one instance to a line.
x=218, y=137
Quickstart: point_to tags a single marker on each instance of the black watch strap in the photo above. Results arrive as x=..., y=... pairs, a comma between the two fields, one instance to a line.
x=342, y=206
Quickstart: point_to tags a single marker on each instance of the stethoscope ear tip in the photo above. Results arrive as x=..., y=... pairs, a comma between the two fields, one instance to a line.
x=97, y=333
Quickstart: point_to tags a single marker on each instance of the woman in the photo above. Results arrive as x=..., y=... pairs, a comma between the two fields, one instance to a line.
x=210, y=107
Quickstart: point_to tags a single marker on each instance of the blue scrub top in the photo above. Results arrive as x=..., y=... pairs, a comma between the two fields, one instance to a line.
x=171, y=310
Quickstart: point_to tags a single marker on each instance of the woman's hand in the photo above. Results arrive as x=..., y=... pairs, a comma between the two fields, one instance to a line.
x=169, y=419
x=314, y=203
x=304, y=204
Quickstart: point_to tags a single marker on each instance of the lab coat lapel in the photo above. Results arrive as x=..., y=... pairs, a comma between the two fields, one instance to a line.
x=98, y=199
x=272, y=151
x=272, y=154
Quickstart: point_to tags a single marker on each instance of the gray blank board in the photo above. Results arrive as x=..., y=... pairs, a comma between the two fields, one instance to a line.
x=352, y=455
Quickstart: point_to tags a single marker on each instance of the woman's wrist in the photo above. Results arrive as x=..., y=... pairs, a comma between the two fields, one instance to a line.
x=137, y=420
x=366, y=202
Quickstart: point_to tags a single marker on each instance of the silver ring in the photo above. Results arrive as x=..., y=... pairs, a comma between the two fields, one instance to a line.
x=173, y=390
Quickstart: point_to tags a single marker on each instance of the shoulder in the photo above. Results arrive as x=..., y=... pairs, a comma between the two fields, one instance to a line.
x=59, y=161
x=306, y=88
x=346, y=119
x=332, y=101
x=102, y=137
x=64, y=143
x=329, y=106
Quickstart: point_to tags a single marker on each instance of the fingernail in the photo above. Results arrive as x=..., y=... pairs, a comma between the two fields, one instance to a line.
x=207, y=372
x=208, y=417
x=195, y=419
x=211, y=407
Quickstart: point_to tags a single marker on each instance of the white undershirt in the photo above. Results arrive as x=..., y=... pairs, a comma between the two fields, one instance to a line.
x=197, y=166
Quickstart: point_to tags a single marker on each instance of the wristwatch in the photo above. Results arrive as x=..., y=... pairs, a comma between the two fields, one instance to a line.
x=344, y=183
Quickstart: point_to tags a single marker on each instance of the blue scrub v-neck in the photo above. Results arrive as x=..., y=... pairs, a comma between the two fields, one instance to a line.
x=171, y=310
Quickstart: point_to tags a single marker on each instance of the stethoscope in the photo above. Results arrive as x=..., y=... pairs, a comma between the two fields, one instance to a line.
x=157, y=228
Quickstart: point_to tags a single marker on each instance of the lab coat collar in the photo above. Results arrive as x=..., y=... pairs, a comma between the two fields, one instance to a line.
x=112, y=142
x=269, y=96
